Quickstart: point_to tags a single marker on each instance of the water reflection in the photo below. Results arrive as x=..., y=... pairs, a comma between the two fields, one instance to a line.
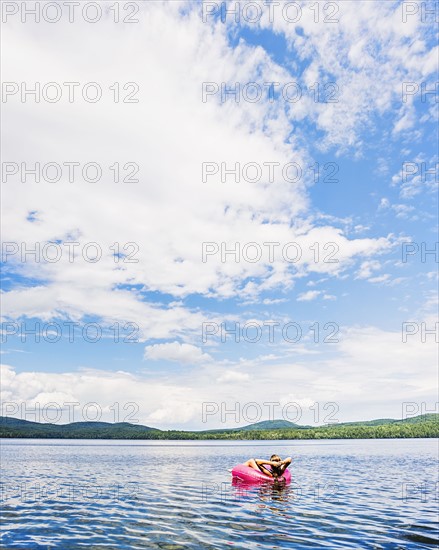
x=266, y=491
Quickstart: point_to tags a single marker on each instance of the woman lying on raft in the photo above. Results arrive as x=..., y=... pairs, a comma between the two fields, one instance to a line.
x=277, y=466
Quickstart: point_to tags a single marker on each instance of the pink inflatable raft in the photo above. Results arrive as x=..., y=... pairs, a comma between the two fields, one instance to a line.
x=245, y=473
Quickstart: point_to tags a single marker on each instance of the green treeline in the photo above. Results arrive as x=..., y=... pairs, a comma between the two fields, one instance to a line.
x=399, y=429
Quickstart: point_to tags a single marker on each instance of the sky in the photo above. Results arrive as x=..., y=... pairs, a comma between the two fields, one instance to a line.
x=232, y=208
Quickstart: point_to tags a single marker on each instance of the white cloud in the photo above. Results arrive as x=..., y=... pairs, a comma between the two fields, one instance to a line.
x=384, y=203
x=308, y=295
x=175, y=351
x=359, y=374
x=368, y=53
x=170, y=212
x=367, y=268
x=380, y=279
x=403, y=210
x=273, y=301
x=233, y=376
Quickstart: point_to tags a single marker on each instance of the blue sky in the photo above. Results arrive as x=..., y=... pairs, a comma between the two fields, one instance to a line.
x=167, y=293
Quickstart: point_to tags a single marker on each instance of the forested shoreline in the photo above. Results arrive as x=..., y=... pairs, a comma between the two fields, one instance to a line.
x=427, y=428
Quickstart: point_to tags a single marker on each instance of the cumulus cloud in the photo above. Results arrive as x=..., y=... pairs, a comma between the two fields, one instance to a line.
x=380, y=279
x=233, y=376
x=365, y=53
x=308, y=296
x=176, y=351
x=160, y=222
x=367, y=268
x=360, y=374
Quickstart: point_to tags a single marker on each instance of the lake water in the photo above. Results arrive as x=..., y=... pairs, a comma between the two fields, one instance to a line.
x=179, y=495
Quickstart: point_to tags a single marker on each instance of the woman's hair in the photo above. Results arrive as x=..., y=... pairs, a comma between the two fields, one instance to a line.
x=275, y=469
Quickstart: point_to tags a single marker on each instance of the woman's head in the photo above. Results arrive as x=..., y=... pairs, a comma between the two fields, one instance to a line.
x=275, y=458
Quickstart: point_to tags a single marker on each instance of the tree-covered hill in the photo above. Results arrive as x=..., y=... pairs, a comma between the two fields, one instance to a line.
x=421, y=426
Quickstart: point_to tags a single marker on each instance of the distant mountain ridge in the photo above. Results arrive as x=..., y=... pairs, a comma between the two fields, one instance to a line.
x=72, y=428
x=274, y=425
x=11, y=421
x=421, y=426
x=278, y=424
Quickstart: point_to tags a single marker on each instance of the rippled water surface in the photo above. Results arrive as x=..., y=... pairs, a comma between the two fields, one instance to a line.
x=105, y=494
